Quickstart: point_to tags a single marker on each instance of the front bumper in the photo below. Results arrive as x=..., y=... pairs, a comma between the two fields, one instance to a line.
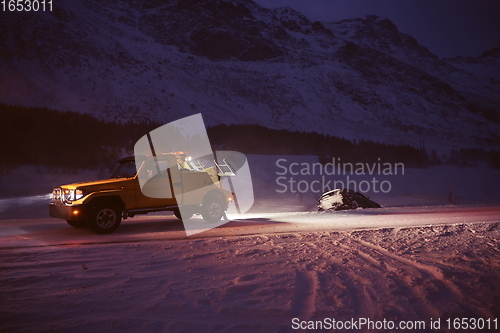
x=66, y=212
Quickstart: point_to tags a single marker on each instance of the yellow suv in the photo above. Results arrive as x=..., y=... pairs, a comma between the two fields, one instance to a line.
x=101, y=205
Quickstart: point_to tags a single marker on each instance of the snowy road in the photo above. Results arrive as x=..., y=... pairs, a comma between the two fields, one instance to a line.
x=48, y=232
x=266, y=281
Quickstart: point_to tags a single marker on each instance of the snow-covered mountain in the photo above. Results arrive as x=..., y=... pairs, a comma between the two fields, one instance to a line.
x=237, y=62
x=487, y=64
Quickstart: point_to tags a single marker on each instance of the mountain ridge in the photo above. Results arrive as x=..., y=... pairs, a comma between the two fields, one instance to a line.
x=238, y=62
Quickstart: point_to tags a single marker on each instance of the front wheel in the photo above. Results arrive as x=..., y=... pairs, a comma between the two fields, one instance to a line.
x=212, y=209
x=104, y=219
x=354, y=205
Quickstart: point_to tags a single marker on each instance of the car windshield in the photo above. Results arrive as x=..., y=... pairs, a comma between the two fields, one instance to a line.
x=329, y=194
x=125, y=170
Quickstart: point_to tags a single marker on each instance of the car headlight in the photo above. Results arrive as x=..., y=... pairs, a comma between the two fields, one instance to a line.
x=72, y=195
x=78, y=194
x=66, y=194
x=56, y=194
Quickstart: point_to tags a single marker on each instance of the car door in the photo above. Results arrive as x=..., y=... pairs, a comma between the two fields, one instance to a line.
x=157, y=191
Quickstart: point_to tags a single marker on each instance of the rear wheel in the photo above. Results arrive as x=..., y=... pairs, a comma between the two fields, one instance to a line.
x=187, y=214
x=212, y=208
x=77, y=223
x=104, y=219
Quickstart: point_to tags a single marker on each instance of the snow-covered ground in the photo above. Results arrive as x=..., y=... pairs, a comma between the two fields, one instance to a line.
x=280, y=266
x=256, y=283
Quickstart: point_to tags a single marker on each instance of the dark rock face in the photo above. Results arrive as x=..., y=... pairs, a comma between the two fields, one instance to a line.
x=494, y=52
x=381, y=34
x=216, y=29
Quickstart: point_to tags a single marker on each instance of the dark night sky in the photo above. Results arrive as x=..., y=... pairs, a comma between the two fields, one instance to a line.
x=446, y=27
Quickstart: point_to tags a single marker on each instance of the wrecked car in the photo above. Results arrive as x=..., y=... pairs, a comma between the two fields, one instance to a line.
x=344, y=199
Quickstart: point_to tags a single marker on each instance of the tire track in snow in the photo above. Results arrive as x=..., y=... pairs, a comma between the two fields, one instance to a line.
x=303, y=302
x=436, y=278
x=433, y=271
x=355, y=288
x=361, y=289
x=401, y=281
x=368, y=271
